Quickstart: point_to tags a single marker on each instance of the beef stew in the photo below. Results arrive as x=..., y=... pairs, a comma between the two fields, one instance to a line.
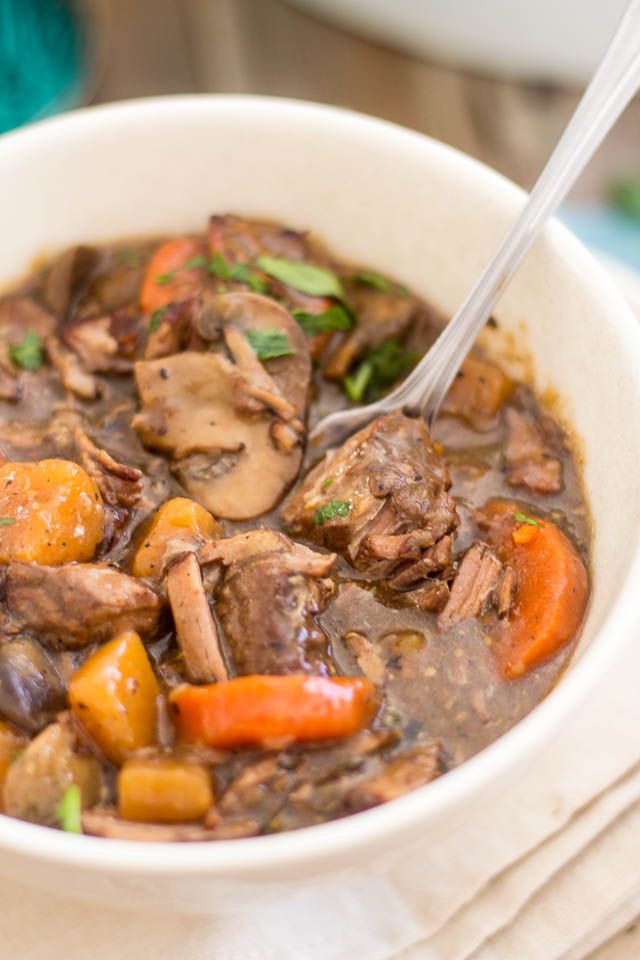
x=200, y=639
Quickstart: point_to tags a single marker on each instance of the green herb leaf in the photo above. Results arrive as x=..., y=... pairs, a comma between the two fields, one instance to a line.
x=370, y=278
x=336, y=508
x=378, y=370
x=28, y=354
x=523, y=518
x=335, y=318
x=356, y=385
x=624, y=195
x=219, y=267
x=6, y=521
x=242, y=273
x=305, y=277
x=269, y=343
x=156, y=319
x=326, y=483
x=69, y=809
x=194, y=263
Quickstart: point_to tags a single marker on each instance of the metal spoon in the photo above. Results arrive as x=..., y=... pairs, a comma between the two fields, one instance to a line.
x=613, y=85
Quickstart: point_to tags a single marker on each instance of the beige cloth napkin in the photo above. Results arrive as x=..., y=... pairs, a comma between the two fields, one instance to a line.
x=548, y=870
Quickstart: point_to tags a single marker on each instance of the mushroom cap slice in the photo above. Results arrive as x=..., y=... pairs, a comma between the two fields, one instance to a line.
x=231, y=426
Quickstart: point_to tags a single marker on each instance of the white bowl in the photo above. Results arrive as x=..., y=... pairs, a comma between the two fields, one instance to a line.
x=378, y=195
x=559, y=41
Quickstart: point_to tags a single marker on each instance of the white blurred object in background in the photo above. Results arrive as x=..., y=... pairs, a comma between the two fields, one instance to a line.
x=555, y=40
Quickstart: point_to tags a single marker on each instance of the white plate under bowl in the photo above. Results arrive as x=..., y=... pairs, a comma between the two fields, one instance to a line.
x=383, y=196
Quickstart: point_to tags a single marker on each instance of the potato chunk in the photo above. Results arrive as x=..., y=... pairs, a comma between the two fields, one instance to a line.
x=51, y=512
x=163, y=790
x=180, y=524
x=114, y=694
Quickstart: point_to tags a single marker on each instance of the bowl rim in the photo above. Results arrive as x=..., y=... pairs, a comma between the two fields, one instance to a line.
x=316, y=844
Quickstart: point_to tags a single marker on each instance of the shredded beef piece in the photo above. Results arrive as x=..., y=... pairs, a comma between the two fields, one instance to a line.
x=391, y=489
x=529, y=461
x=410, y=769
x=505, y=591
x=104, y=822
x=473, y=586
x=432, y=597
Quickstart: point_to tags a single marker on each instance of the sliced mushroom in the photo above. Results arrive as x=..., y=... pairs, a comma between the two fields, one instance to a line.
x=215, y=417
x=68, y=279
x=195, y=627
x=31, y=690
x=38, y=778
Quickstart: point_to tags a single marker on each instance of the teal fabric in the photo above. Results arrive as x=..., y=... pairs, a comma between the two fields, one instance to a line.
x=605, y=229
x=42, y=67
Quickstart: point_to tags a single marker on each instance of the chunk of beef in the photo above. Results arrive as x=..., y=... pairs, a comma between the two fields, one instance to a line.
x=31, y=689
x=121, y=486
x=77, y=604
x=271, y=591
x=37, y=779
x=106, y=343
x=176, y=327
x=431, y=597
x=241, y=241
x=390, y=489
x=104, y=822
x=74, y=378
x=195, y=628
x=19, y=315
x=437, y=559
x=505, y=591
x=529, y=461
x=412, y=768
x=381, y=315
x=474, y=585
x=217, y=418
x=478, y=393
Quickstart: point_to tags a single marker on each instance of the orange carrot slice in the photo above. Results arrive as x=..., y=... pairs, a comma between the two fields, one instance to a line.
x=552, y=591
x=255, y=709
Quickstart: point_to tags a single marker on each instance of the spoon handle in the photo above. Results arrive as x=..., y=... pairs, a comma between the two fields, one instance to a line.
x=612, y=87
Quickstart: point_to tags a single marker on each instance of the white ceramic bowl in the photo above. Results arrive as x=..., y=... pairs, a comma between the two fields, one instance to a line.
x=395, y=200
x=560, y=41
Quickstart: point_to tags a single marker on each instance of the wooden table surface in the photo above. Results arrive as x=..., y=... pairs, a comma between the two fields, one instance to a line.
x=265, y=46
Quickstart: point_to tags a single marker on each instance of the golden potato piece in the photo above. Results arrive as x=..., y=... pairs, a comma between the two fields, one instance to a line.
x=180, y=524
x=51, y=512
x=114, y=695
x=163, y=790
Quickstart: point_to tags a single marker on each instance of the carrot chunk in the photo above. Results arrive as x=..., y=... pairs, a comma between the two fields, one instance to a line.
x=255, y=709
x=552, y=591
x=173, y=273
